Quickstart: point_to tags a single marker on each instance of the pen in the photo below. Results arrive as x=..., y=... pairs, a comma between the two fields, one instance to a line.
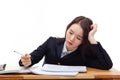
x=18, y=52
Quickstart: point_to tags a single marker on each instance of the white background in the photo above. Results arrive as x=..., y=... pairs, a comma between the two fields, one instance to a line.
x=26, y=24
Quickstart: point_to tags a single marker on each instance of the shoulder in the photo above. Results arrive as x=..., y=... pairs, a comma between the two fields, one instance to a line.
x=52, y=42
x=56, y=39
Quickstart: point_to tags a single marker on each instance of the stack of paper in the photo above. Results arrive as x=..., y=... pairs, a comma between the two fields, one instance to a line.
x=63, y=68
x=50, y=69
x=47, y=69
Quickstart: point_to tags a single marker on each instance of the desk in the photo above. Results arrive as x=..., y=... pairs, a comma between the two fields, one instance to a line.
x=91, y=74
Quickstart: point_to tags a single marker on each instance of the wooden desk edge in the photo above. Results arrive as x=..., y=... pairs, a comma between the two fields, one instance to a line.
x=91, y=74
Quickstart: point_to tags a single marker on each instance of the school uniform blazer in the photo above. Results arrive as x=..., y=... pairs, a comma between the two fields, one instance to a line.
x=52, y=50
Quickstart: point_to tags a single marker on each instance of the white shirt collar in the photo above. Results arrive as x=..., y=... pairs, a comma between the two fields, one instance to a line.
x=65, y=49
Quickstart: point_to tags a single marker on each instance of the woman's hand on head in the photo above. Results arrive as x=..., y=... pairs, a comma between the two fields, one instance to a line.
x=92, y=33
x=26, y=60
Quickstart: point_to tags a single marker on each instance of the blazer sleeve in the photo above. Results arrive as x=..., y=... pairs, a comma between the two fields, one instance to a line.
x=38, y=54
x=101, y=60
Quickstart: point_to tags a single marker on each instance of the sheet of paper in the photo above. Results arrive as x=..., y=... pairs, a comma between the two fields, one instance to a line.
x=15, y=69
x=38, y=70
x=62, y=68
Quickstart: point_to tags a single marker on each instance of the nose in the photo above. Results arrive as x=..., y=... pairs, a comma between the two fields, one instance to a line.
x=72, y=38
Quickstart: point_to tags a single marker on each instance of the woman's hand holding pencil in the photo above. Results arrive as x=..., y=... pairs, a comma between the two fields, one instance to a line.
x=25, y=59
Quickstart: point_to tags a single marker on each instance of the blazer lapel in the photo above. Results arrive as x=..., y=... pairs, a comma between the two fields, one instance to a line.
x=60, y=44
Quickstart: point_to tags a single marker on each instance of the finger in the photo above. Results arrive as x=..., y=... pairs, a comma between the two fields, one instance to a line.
x=91, y=27
x=94, y=27
x=26, y=56
x=26, y=64
x=25, y=60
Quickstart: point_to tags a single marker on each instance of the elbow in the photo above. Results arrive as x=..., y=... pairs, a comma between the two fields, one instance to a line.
x=107, y=67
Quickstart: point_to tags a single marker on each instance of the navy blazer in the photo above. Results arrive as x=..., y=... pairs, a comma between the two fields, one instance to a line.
x=52, y=50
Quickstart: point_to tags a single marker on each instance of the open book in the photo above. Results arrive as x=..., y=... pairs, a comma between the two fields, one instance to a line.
x=47, y=69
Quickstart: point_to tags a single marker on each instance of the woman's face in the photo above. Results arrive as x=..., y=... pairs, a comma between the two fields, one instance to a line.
x=74, y=37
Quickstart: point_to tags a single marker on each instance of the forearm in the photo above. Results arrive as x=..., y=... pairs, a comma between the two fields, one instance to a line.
x=101, y=59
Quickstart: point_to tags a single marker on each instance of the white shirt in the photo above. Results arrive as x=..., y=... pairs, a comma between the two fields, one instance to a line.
x=65, y=51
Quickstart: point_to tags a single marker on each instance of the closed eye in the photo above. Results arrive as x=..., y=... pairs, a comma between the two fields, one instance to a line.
x=79, y=38
x=71, y=33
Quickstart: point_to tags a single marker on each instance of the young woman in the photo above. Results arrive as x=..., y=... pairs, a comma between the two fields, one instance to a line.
x=79, y=47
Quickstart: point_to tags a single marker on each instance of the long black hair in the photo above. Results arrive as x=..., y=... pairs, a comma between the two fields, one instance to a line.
x=85, y=23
